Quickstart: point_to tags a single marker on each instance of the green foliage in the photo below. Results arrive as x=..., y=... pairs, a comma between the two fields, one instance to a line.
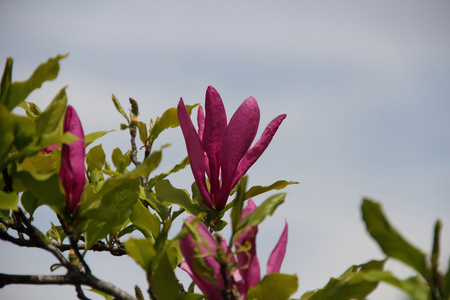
x=415, y=287
x=145, y=221
x=267, y=208
x=257, y=190
x=12, y=94
x=167, y=195
x=30, y=202
x=274, y=286
x=8, y=200
x=390, y=240
x=169, y=119
x=350, y=285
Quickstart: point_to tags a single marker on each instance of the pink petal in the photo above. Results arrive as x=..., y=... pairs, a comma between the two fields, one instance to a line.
x=187, y=246
x=254, y=153
x=200, y=122
x=238, y=138
x=72, y=161
x=195, y=151
x=215, y=125
x=248, y=263
x=277, y=255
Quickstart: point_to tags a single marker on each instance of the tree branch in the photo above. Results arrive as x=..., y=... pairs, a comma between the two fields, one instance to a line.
x=68, y=279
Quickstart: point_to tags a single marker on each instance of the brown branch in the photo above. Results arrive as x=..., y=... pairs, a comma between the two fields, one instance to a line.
x=99, y=247
x=68, y=279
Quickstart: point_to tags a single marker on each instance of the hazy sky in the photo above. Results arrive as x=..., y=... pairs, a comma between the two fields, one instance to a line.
x=365, y=85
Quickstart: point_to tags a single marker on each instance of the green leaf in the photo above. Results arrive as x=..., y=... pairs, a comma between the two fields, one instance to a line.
x=167, y=194
x=169, y=119
x=175, y=169
x=95, y=158
x=8, y=200
x=257, y=190
x=350, y=285
x=30, y=202
x=142, y=251
x=7, y=126
x=47, y=122
x=413, y=286
x=238, y=203
x=115, y=182
x=143, y=135
x=46, y=187
x=56, y=233
x=91, y=137
x=165, y=283
x=390, y=240
x=267, y=208
x=112, y=209
x=446, y=286
x=24, y=132
x=274, y=286
x=145, y=221
x=120, y=109
x=6, y=79
x=39, y=163
x=121, y=161
x=19, y=91
x=105, y=295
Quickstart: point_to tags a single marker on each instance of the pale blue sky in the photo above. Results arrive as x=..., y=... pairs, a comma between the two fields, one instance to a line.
x=366, y=87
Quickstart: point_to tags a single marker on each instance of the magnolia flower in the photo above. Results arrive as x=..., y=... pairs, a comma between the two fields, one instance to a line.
x=49, y=149
x=247, y=273
x=222, y=151
x=72, y=161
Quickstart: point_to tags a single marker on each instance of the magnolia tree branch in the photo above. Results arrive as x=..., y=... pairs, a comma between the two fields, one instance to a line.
x=70, y=278
x=74, y=275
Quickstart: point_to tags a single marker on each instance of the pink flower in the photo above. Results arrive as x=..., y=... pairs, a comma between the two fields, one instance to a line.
x=222, y=151
x=49, y=149
x=247, y=273
x=72, y=161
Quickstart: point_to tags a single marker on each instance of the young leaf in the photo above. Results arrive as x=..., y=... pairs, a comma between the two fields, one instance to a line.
x=447, y=282
x=390, y=240
x=6, y=79
x=274, y=286
x=169, y=119
x=175, y=169
x=413, y=286
x=30, y=202
x=8, y=200
x=120, y=109
x=121, y=161
x=24, y=132
x=142, y=251
x=144, y=220
x=7, y=125
x=238, y=203
x=143, y=134
x=91, y=137
x=167, y=195
x=165, y=283
x=267, y=208
x=350, y=285
x=257, y=190
x=48, y=120
x=46, y=187
x=19, y=91
x=95, y=158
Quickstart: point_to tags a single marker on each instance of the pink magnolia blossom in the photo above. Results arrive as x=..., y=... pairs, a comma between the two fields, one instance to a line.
x=222, y=151
x=72, y=161
x=247, y=273
x=49, y=149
